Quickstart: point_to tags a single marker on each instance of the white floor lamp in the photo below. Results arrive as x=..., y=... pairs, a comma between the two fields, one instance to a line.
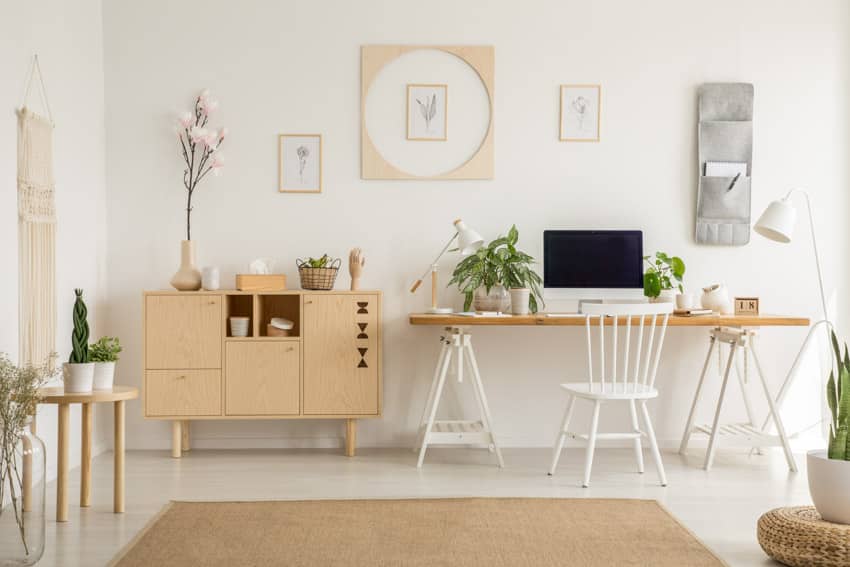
x=468, y=241
x=777, y=223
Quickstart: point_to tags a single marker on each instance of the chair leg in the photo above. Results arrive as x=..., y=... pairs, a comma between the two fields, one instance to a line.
x=636, y=429
x=686, y=437
x=653, y=444
x=591, y=443
x=562, y=435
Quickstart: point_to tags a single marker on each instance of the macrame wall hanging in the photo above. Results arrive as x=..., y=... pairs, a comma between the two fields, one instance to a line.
x=36, y=229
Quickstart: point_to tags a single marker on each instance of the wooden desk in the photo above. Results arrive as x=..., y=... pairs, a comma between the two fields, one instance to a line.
x=117, y=395
x=541, y=319
x=456, y=343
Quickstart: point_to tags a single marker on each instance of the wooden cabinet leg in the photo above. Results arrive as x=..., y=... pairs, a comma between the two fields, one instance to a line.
x=62, y=463
x=118, y=459
x=176, y=438
x=184, y=441
x=350, y=437
x=85, y=455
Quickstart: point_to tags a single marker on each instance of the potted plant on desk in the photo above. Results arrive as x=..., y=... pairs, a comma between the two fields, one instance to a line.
x=482, y=277
x=663, y=277
x=829, y=470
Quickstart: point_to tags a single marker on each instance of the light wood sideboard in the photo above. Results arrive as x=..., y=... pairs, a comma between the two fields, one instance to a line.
x=329, y=367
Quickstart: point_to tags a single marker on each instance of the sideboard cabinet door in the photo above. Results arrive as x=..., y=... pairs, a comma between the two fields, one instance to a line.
x=262, y=378
x=341, y=357
x=183, y=332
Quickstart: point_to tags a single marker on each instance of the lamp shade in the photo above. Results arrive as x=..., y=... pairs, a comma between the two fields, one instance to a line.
x=777, y=221
x=468, y=241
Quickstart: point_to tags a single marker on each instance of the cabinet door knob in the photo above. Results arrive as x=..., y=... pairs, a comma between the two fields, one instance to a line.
x=181, y=377
x=309, y=302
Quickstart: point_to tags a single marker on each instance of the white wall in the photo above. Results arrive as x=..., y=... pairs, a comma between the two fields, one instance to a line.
x=68, y=38
x=288, y=66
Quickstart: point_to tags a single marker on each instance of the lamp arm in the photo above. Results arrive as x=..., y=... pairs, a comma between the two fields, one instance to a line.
x=434, y=263
x=815, y=246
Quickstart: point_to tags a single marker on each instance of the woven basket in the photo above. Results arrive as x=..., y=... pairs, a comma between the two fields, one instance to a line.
x=318, y=278
x=799, y=537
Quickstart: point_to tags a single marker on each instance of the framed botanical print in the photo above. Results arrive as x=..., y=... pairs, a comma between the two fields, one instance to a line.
x=426, y=112
x=580, y=113
x=300, y=163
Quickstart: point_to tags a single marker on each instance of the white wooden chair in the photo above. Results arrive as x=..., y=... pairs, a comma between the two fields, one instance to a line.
x=629, y=377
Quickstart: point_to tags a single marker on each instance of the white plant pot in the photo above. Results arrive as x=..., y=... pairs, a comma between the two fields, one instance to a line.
x=104, y=375
x=519, y=300
x=78, y=378
x=828, y=481
x=666, y=296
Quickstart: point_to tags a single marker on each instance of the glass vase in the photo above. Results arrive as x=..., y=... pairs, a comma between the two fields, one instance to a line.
x=22, y=487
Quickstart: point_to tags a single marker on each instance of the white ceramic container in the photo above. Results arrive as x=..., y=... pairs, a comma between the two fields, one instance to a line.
x=104, y=375
x=519, y=300
x=239, y=326
x=828, y=481
x=78, y=377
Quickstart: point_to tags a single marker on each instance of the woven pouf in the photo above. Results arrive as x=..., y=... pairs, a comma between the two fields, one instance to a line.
x=799, y=537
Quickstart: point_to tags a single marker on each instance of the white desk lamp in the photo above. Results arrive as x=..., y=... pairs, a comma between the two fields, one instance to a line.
x=468, y=241
x=777, y=223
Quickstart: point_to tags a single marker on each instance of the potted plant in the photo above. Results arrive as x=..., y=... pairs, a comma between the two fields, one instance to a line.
x=199, y=148
x=482, y=277
x=663, y=277
x=104, y=354
x=22, y=463
x=318, y=273
x=829, y=470
x=78, y=372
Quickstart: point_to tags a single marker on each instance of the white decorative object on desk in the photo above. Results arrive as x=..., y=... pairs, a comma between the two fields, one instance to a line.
x=686, y=300
x=519, y=300
x=210, y=278
x=716, y=298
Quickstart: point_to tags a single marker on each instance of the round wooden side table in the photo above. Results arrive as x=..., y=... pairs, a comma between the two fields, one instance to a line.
x=799, y=537
x=118, y=395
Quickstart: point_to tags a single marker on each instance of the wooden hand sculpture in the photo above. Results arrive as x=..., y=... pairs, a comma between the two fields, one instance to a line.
x=356, y=261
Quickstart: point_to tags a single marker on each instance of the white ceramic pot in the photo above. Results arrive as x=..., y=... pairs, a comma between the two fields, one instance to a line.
x=210, y=278
x=828, y=481
x=78, y=378
x=104, y=375
x=716, y=298
x=519, y=300
x=239, y=326
x=497, y=300
x=686, y=300
x=666, y=296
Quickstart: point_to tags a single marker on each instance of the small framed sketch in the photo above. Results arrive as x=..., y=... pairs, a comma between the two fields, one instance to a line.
x=300, y=163
x=580, y=113
x=426, y=112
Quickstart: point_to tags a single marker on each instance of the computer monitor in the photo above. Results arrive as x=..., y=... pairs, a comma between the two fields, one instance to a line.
x=593, y=264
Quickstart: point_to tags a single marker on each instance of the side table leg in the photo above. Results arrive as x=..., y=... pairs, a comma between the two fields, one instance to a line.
x=176, y=438
x=118, y=473
x=62, y=463
x=85, y=455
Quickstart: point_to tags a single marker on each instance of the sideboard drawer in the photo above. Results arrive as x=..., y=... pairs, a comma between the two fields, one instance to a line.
x=182, y=392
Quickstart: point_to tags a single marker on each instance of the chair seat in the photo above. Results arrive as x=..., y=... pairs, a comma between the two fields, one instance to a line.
x=609, y=391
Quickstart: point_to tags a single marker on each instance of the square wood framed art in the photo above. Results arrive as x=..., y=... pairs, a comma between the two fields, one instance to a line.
x=292, y=163
x=566, y=114
x=444, y=113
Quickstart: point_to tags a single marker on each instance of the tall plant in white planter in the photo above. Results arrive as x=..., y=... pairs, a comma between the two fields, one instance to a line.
x=78, y=372
x=199, y=148
x=829, y=471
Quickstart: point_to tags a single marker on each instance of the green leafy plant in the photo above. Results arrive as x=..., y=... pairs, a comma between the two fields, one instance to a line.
x=838, y=400
x=80, y=336
x=498, y=263
x=106, y=349
x=319, y=262
x=18, y=399
x=664, y=272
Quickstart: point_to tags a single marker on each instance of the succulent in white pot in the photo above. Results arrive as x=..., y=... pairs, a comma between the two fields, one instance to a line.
x=104, y=354
x=829, y=470
x=78, y=372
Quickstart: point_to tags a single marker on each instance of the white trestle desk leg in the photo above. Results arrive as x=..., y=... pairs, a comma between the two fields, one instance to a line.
x=479, y=385
x=691, y=416
x=777, y=421
x=742, y=382
x=432, y=411
x=420, y=434
x=712, y=440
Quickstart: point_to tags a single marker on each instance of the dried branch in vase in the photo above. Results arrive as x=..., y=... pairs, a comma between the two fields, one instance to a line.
x=199, y=148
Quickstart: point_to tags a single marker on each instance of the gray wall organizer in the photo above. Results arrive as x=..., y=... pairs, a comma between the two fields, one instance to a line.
x=725, y=135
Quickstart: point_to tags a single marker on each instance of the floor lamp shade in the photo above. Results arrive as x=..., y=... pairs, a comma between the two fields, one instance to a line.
x=468, y=241
x=777, y=221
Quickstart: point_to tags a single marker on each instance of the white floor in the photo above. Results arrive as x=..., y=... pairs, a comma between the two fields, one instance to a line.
x=720, y=507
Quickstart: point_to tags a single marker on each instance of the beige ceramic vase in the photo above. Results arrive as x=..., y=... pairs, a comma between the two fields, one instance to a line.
x=187, y=278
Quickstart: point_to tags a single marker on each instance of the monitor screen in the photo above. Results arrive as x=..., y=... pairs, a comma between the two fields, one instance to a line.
x=594, y=259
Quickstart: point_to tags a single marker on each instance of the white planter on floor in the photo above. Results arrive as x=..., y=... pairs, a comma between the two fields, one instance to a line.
x=828, y=481
x=104, y=375
x=78, y=377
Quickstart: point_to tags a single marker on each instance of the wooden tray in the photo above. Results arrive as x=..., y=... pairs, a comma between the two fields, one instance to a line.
x=261, y=282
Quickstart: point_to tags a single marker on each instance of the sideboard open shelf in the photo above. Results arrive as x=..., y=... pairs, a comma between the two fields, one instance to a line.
x=329, y=367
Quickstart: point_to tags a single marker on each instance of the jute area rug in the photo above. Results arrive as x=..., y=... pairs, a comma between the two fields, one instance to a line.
x=491, y=532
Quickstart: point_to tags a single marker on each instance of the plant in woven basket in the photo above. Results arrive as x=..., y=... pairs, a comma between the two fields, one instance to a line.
x=838, y=400
x=18, y=399
x=80, y=335
x=318, y=273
